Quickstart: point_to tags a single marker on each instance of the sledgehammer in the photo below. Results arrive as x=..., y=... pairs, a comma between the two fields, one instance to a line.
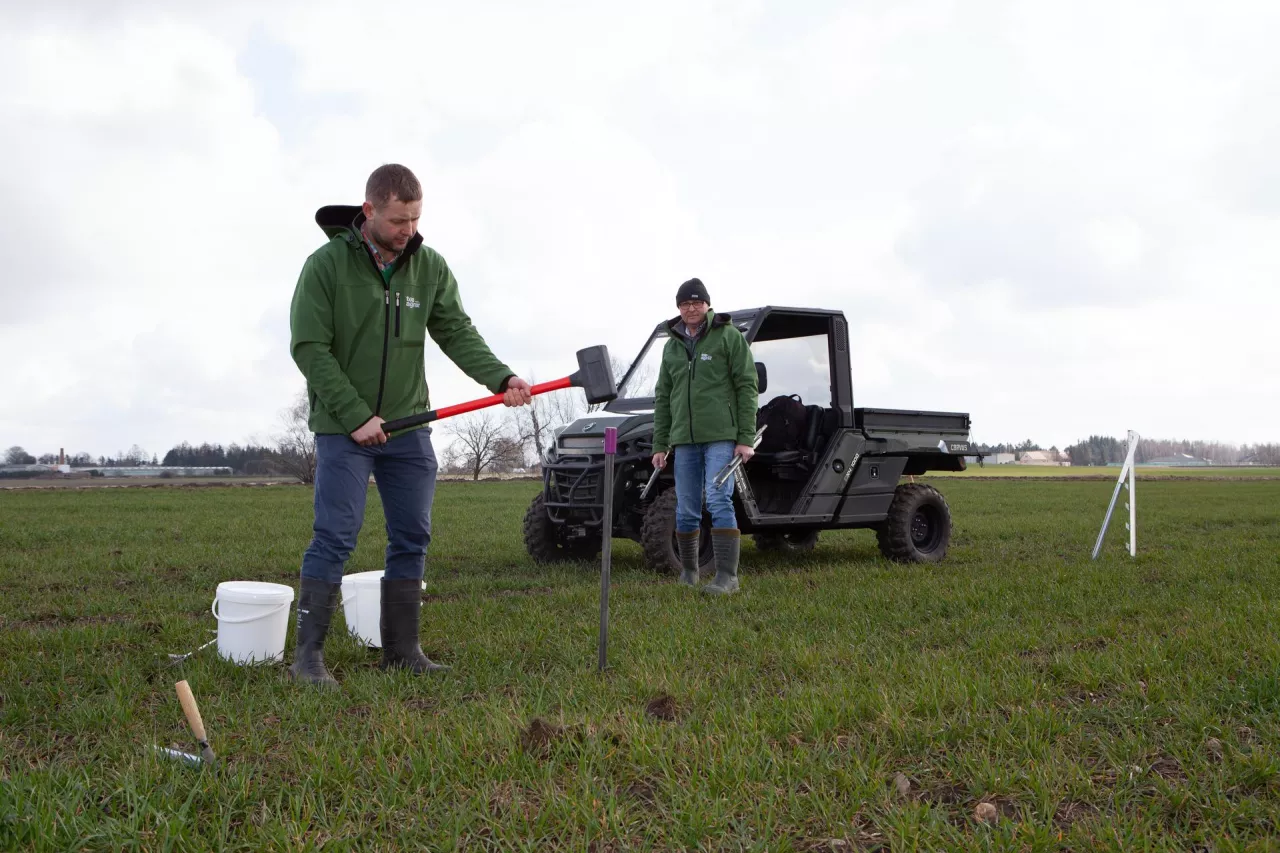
x=594, y=376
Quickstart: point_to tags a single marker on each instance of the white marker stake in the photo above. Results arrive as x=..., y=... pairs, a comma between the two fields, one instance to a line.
x=1132, y=505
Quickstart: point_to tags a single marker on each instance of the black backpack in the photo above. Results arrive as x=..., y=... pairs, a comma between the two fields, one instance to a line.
x=785, y=419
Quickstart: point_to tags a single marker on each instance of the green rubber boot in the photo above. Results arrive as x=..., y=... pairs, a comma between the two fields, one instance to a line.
x=726, y=542
x=317, y=600
x=687, y=544
x=401, y=615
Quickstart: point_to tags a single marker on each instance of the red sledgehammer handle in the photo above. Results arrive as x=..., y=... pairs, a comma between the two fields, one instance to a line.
x=463, y=408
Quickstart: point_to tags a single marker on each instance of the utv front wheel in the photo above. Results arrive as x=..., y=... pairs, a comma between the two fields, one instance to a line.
x=918, y=527
x=658, y=537
x=545, y=541
x=798, y=542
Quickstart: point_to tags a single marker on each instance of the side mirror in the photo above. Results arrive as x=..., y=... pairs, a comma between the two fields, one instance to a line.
x=762, y=377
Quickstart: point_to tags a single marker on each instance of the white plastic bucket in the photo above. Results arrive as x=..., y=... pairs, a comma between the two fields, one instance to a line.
x=253, y=618
x=362, y=606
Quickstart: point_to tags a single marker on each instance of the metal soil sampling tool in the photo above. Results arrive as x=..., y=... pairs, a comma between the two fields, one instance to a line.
x=192, y=712
x=736, y=462
x=594, y=376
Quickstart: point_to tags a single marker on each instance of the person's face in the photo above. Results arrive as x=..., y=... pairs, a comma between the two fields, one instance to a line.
x=393, y=224
x=693, y=312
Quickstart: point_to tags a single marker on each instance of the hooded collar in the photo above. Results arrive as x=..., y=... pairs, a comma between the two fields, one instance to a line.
x=675, y=326
x=344, y=220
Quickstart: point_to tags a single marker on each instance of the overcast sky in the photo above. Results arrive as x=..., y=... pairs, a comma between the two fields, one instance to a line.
x=1063, y=218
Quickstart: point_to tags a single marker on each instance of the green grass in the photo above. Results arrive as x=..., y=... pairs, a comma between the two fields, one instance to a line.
x=1080, y=697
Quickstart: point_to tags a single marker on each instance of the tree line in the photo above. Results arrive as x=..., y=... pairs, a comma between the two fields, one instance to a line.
x=501, y=440
x=1108, y=450
x=18, y=455
x=1105, y=450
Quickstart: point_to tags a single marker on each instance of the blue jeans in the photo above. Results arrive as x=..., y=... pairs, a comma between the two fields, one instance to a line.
x=405, y=471
x=696, y=468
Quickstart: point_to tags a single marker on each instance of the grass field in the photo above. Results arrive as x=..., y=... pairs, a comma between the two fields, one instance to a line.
x=1123, y=704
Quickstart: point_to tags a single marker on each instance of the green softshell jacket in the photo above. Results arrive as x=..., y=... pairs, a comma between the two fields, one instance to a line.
x=707, y=392
x=359, y=340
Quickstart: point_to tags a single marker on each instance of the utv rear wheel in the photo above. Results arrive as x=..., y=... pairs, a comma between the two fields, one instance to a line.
x=545, y=540
x=918, y=527
x=797, y=542
x=658, y=537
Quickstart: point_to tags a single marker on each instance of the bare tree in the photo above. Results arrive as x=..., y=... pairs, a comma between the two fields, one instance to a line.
x=482, y=443
x=531, y=426
x=296, y=444
x=16, y=455
x=534, y=425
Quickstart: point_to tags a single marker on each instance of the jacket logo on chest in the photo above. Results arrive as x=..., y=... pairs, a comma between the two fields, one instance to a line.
x=410, y=302
x=706, y=356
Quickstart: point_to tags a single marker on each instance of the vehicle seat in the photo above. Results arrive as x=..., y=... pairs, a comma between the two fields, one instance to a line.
x=797, y=463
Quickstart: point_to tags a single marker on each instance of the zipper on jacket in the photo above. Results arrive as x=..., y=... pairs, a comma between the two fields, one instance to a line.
x=397, y=313
x=386, y=339
x=386, y=321
x=693, y=371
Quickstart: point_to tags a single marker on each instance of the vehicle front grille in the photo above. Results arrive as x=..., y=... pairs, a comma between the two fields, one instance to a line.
x=581, y=487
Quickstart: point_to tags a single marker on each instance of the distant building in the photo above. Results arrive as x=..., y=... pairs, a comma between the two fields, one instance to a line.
x=990, y=459
x=1179, y=460
x=161, y=471
x=37, y=469
x=1045, y=457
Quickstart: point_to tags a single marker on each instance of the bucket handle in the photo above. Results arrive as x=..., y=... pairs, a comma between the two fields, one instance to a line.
x=355, y=593
x=272, y=612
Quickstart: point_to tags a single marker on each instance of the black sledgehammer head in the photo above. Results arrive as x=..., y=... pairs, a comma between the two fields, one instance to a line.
x=595, y=375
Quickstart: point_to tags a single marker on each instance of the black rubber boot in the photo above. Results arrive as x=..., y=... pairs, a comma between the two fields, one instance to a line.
x=726, y=543
x=401, y=608
x=317, y=600
x=687, y=545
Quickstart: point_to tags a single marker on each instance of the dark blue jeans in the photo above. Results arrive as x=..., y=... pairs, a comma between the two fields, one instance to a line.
x=405, y=471
x=696, y=469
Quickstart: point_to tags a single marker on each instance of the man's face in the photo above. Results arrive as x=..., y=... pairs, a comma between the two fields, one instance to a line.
x=693, y=312
x=394, y=224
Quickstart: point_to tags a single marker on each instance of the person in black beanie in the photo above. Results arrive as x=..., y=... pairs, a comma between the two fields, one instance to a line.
x=704, y=411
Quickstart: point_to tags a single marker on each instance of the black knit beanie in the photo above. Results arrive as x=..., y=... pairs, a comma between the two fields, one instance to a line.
x=692, y=291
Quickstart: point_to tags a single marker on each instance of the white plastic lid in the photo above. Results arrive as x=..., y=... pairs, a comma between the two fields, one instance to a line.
x=254, y=592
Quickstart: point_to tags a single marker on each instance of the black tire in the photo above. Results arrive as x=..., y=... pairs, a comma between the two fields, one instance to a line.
x=544, y=539
x=796, y=542
x=918, y=526
x=658, y=537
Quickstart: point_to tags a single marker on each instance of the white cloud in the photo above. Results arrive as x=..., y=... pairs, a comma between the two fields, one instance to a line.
x=1058, y=218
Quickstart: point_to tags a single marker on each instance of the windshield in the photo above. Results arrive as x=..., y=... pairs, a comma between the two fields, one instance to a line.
x=796, y=365
x=641, y=385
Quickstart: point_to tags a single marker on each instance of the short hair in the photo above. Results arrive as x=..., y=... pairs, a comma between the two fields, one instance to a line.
x=391, y=179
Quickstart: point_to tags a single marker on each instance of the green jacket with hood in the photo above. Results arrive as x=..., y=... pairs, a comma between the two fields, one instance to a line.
x=359, y=338
x=707, y=388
